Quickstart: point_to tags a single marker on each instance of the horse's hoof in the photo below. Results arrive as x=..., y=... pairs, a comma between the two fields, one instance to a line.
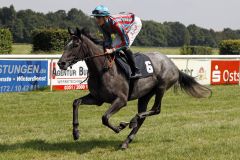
x=133, y=123
x=75, y=134
x=124, y=146
x=117, y=130
x=124, y=124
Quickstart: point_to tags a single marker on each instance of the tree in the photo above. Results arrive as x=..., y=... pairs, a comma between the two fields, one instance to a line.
x=177, y=34
x=201, y=36
x=18, y=31
x=7, y=16
x=152, y=34
x=172, y=34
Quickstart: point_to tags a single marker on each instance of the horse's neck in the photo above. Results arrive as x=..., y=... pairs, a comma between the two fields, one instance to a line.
x=95, y=64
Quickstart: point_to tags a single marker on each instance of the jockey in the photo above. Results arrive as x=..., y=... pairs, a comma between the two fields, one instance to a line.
x=125, y=27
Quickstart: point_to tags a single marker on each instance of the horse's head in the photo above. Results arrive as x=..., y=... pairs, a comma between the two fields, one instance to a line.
x=71, y=54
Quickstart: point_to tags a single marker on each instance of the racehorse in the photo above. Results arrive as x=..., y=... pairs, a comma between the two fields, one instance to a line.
x=112, y=86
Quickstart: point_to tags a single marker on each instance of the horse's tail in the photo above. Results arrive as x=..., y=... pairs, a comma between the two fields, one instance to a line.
x=192, y=87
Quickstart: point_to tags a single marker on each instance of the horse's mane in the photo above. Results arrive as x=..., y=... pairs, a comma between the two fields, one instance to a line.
x=87, y=33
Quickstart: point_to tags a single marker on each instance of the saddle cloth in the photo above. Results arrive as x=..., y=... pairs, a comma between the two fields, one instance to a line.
x=143, y=63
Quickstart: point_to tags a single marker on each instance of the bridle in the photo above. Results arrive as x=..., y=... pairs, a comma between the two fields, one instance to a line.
x=86, y=58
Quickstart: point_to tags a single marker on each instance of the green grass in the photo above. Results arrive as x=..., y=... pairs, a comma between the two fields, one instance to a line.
x=19, y=48
x=27, y=49
x=37, y=125
x=22, y=48
x=170, y=51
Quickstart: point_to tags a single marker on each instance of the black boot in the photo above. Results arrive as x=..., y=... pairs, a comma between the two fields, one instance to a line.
x=131, y=61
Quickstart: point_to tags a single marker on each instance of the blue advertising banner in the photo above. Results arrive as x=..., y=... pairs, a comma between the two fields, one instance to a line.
x=23, y=75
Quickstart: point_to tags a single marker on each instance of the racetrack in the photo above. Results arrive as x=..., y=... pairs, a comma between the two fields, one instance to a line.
x=38, y=125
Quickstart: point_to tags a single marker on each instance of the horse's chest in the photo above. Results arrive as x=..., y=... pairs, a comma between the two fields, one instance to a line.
x=101, y=90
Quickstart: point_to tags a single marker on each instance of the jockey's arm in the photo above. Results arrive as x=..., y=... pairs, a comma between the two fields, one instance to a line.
x=107, y=39
x=124, y=37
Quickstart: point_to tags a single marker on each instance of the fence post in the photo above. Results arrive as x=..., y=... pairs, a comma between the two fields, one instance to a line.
x=51, y=69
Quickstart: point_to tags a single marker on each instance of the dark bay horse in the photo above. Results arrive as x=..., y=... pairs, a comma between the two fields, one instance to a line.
x=112, y=86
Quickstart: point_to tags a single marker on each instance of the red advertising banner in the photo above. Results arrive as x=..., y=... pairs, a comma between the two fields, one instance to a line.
x=71, y=87
x=225, y=72
x=70, y=79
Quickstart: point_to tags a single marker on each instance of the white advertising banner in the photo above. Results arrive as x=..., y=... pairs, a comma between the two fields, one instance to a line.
x=197, y=68
x=70, y=79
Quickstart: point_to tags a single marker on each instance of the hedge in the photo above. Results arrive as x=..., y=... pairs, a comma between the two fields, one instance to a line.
x=6, y=41
x=196, y=50
x=229, y=47
x=48, y=40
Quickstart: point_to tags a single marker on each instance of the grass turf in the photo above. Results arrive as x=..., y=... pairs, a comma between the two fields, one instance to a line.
x=27, y=49
x=21, y=48
x=37, y=125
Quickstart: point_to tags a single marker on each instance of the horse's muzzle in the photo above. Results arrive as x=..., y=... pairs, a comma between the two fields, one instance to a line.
x=63, y=65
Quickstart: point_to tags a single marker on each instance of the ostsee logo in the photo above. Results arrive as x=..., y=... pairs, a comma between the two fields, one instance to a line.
x=216, y=74
x=226, y=75
x=230, y=76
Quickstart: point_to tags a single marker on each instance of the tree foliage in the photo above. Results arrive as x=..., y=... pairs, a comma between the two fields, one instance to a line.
x=168, y=34
x=152, y=34
x=5, y=41
x=229, y=47
x=49, y=39
x=24, y=22
x=196, y=50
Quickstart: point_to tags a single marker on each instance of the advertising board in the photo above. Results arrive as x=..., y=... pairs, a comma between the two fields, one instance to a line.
x=70, y=79
x=200, y=69
x=23, y=75
x=225, y=72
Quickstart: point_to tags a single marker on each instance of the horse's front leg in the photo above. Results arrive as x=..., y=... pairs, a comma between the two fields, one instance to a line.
x=117, y=104
x=88, y=100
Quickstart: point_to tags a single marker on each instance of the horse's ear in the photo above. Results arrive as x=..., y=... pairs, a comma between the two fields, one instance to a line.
x=78, y=32
x=85, y=31
x=70, y=31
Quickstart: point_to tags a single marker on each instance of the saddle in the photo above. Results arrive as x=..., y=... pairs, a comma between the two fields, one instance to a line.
x=143, y=63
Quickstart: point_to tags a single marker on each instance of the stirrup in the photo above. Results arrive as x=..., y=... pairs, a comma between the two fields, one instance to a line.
x=136, y=75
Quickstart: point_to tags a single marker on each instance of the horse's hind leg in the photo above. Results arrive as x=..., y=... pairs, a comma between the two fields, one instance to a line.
x=156, y=109
x=142, y=107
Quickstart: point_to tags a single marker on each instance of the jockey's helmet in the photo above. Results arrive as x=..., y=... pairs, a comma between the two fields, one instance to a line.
x=100, y=11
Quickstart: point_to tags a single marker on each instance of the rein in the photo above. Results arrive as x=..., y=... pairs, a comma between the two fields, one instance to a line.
x=95, y=56
x=99, y=55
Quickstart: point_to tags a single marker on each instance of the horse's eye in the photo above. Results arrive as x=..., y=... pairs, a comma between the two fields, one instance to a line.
x=75, y=45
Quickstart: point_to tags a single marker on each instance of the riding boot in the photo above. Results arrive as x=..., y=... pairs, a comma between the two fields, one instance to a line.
x=132, y=63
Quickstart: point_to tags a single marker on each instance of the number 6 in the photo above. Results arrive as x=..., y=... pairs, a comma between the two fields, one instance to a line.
x=149, y=66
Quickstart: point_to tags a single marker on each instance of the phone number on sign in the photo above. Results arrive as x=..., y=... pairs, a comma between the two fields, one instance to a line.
x=76, y=87
x=18, y=88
